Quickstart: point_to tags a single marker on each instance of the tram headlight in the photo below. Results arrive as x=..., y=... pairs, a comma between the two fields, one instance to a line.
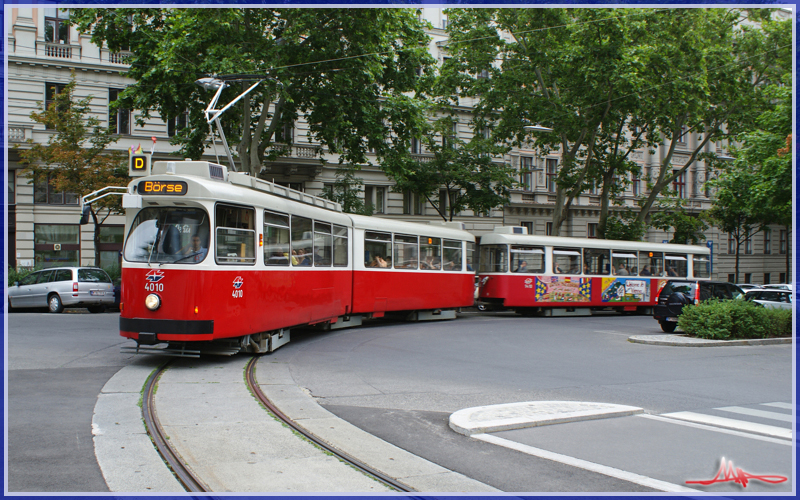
x=152, y=302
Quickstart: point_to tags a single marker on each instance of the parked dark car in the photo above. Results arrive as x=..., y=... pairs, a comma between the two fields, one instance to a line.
x=677, y=294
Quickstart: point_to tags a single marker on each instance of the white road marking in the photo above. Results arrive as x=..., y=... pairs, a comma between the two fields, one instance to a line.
x=717, y=429
x=765, y=430
x=612, y=332
x=584, y=464
x=785, y=406
x=757, y=413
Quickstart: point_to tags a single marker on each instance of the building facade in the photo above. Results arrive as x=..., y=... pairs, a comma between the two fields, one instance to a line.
x=45, y=53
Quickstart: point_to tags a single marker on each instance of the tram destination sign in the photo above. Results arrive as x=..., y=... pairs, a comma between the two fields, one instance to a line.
x=174, y=188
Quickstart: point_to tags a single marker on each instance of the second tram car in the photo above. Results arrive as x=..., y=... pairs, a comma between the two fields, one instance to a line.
x=554, y=275
x=217, y=261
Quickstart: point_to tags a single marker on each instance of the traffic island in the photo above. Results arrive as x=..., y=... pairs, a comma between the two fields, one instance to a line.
x=505, y=417
x=678, y=340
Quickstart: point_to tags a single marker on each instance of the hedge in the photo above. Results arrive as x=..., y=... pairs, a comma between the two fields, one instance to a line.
x=734, y=319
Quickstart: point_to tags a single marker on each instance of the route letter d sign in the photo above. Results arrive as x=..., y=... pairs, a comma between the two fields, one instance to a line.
x=139, y=165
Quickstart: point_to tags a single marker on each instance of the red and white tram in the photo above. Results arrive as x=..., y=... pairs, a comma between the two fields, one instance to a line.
x=554, y=275
x=217, y=261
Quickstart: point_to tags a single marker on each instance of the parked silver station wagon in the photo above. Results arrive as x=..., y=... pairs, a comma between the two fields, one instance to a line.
x=60, y=287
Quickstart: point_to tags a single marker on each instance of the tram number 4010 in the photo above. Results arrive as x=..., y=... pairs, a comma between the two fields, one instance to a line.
x=237, y=294
x=154, y=287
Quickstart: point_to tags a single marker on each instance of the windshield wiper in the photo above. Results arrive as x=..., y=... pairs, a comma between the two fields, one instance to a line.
x=155, y=244
x=186, y=257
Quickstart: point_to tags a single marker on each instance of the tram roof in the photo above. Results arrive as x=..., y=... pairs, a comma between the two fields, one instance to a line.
x=397, y=226
x=565, y=241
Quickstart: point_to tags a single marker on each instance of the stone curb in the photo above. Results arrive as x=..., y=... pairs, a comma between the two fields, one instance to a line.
x=685, y=341
x=418, y=473
x=510, y=416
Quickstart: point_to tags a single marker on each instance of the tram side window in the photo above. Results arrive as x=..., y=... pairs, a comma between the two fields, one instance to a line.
x=452, y=255
x=430, y=251
x=236, y=235
x=566, y=261
x=302, y=241
x=527, y=259
x=406, y=255
x=701, y=266
x=652, y=264
x=323, y=244
x=676, y=265
x=377, y=250
x=276, y=239
x=596, y=261
x=471, y=256
x=340, y=247
x=624, y=263
x=493, y=259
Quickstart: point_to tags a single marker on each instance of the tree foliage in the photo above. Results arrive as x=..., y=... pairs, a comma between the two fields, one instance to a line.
x=350, y=73
x=612, y=81
x=466, y=171
x=76, y=157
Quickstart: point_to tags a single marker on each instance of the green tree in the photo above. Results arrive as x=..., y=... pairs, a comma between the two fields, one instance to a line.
x=571, y=70
x=733, y=210
x=76, y=157
x=687, y=228
x=351, y=74
x=466, y=172
x=709, y=70
x=347, y=192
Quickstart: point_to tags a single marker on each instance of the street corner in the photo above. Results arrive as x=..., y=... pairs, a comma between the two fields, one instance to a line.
x=510, y=416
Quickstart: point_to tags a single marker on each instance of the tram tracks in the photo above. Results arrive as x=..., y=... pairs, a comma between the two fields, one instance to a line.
x=191, y=482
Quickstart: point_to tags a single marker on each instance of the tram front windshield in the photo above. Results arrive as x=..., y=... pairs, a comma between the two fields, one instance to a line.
x=168, y=235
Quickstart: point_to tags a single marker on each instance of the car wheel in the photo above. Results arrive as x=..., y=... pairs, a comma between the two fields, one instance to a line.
x=96, y=309
x=667, y=327
x=481, y=307
x=54, y=304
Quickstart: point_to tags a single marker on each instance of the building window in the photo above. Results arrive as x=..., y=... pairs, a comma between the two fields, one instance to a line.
x=375, y=198
x=528, y=225
x=767, y=278
x=56, y=25
x=12, y=187
x=591, y=230
x=548, y=229
x=285, y=134
x=56, y=245
x=51, y=90
x=552, y=166
x=782, y=247
x=178, y=123
x=635, y=184
x=525, y=172
x=45, y=194
x=415, y=147
x=679, y=185
x=731, y=278
x=683, y=134
x=748, y=277
x=748, y=243
x=119, y=122
x=412, y=203
x=782, y=278
x=110, y=245
x=448, y=139
x=731, y=244
x=767, y=241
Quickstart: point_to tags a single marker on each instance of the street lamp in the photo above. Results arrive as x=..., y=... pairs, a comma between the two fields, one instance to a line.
x=537, y=128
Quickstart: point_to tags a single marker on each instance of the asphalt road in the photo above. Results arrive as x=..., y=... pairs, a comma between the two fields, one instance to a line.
x=56, y=365
x=401, y=381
